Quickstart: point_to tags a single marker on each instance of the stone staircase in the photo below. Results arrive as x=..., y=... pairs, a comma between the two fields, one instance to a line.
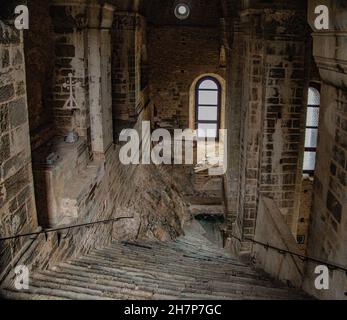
x=190, y=268
x=208, y=197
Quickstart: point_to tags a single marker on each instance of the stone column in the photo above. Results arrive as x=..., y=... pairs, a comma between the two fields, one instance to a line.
x=126, y=56
x=328, y=228
x=234, y=73
x=99, y=68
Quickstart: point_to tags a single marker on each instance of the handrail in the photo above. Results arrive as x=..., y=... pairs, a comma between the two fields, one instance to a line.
x=330, y=265
x=45, y=231
x=302, y=257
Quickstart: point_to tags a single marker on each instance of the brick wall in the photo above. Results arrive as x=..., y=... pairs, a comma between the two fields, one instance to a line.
x=17, y=207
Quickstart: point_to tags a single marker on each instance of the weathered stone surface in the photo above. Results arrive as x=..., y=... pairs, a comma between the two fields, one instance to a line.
x=4, y=121
x=17, y=112
x=5, y=59
x=6, y=93
x=4, y=148
x=16, y=196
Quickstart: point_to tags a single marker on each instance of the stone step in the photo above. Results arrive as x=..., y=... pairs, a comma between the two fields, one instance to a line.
x=172, y=270
x=189, y=268
x=122, y=280
x=213, y=210
x=204, y=200
x=116, y=253
x=26, y=295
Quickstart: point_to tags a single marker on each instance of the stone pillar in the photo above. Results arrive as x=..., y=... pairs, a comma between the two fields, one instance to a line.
x=272, y=57
x=234, y=74
x=328, y=228
x=70, y=20
x=99, y=68
x=126, y=55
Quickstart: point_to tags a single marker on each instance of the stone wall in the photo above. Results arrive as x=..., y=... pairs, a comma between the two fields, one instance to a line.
x=39, y=56
x=178, y=53
x=327, y=232
x=80, y=186
x=273, y=230
x=17, y=204
x=169, y=90
x=131, y=194
x=70, y=22
x=272, y=55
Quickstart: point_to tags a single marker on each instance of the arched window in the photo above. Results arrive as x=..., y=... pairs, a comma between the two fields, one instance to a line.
x=311, y=134
x=208, y=105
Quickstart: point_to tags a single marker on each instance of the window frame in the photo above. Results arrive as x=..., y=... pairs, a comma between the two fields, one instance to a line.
x=218, y=106
x=317, y=87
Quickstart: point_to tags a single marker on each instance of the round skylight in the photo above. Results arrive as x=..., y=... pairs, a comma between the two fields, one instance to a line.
x=182, y=11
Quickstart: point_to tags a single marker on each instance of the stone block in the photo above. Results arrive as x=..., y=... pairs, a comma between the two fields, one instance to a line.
x=17, y=220
x=4, y=148
x=17, y=58
x=334, y=206
x=6, y=93
x=14, y=184
x=4, y=58
x=12, y=165
x=17, y=112
x=4, y=122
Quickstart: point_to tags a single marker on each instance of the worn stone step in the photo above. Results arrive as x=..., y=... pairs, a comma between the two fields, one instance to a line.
x=191, y=267
x=46, y=288
x=204, y=200
x=181, y=268
x=111, y=289
x=203, y=209
x=26, y=295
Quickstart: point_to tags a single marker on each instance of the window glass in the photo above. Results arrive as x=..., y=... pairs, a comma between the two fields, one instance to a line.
x=208, y=84
x=309, y=161
x=208, y=98
x=311, y=132
x=313, y=97
x=208, y=113
x=311, y=138
x=312, y=117
x=208, y=107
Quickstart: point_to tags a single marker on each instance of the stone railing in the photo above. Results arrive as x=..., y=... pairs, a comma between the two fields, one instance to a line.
x=272, y=229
